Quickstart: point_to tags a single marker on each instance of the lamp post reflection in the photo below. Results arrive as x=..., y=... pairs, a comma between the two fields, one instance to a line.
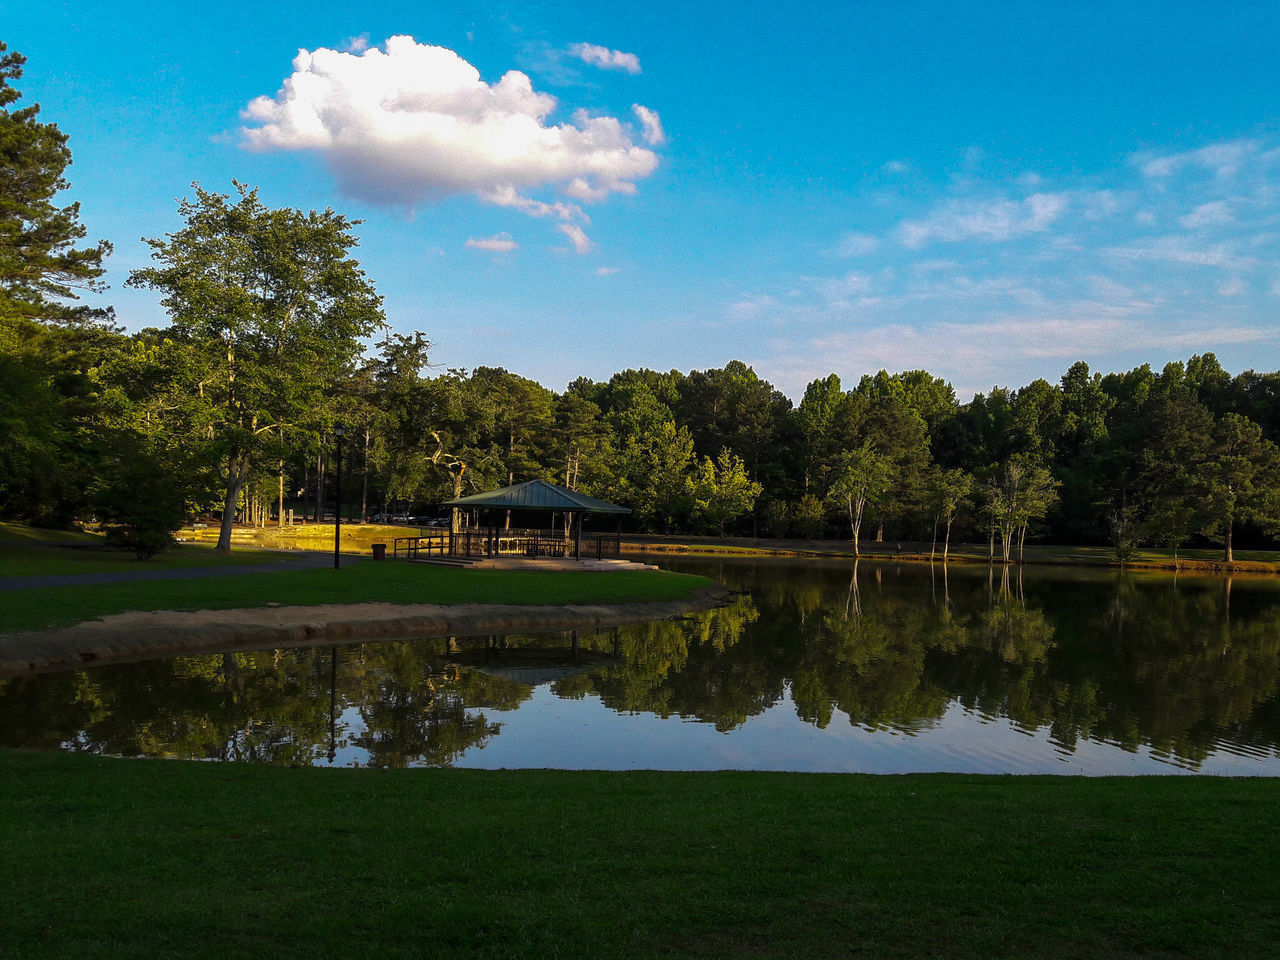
x=333, y=703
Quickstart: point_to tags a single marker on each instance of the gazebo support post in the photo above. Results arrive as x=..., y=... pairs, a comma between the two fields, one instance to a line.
x=577, y=537
x=617, y=540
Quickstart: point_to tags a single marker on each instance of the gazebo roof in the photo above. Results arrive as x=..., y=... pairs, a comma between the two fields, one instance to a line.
x=537, y=495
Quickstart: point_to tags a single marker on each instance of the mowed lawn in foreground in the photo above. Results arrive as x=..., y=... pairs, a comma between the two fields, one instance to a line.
x=369, y=582
x=108, y=858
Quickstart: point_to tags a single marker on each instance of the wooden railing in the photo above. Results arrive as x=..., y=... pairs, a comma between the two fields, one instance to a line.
x=478, y=542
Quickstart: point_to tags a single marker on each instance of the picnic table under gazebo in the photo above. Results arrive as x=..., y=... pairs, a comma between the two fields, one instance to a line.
x=492, y=539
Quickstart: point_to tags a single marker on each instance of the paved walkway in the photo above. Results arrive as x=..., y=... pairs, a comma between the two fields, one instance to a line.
x=293, y=560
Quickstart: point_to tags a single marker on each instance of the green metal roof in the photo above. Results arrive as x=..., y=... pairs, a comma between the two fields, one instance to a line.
x=537, y=495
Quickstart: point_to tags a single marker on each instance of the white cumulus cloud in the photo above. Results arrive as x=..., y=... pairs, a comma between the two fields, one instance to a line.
x=499, y=243
x=409, y=123
x=605, y=58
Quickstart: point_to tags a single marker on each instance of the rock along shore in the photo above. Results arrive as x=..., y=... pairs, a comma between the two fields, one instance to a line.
x=128, y=637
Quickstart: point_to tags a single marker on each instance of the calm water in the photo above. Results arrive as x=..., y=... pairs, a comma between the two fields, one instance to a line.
x=813, y=666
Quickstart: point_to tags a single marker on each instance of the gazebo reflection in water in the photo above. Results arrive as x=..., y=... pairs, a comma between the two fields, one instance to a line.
x=493, y=537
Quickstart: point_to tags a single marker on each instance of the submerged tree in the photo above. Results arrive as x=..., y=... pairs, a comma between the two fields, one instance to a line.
x=273, y=306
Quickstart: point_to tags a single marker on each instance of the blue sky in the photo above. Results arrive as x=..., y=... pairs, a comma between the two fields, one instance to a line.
x=989, y=191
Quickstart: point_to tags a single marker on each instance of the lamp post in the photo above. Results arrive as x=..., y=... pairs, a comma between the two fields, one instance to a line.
x=338, y=432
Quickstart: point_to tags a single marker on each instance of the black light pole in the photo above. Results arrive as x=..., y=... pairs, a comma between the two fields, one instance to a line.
x=338, y=431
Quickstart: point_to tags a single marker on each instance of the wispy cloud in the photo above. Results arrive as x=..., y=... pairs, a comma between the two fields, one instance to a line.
x=855, y=245
x=604, y=58
x=577, y=237
x=500, y=243
x=1182, y=250
x=1040, y=269
x=1222, y=159
x=654, y=135
x=992, y=221
x=1210, y=214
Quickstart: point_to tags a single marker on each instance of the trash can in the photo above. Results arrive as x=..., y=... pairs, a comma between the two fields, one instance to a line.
x=379, y=551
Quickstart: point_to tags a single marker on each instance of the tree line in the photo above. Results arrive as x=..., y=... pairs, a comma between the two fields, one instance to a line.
x=277, y=335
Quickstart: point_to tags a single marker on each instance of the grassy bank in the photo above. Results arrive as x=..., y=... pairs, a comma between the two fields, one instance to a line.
x=389, y=582
x=93, y=556
x=107, y=858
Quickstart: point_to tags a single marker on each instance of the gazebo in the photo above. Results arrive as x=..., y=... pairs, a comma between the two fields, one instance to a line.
x=540, y=497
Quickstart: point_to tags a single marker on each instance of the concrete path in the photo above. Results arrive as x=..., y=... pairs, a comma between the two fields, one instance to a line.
x=293, y=560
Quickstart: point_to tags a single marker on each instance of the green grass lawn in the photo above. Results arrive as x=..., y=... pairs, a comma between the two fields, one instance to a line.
x=94, y=556
x=20, y=531
x=388, y=582
x=114, y=858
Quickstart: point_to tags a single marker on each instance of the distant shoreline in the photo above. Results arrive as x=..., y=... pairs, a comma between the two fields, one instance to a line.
x=917, y=552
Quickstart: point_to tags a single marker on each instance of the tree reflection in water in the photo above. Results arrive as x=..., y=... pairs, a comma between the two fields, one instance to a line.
x=1181, y=666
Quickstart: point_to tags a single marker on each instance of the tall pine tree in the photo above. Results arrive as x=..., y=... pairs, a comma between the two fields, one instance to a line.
x=40, y=266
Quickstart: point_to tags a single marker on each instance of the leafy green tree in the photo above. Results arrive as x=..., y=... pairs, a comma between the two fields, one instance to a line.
x=810, y=517
x=1036, y=418
x=40, y=265
x=777, y=518
x=816, y=418
x=1241, y=478
x=720, y=490
x=653, y=474
x=1173, y=442
x=273, y=307
x=581, y=445
x=48, y=344
x=948, y=491
x=522, y=419
x=1021, y=492
x=48, y=412
x=860, y=476
x=138, y=500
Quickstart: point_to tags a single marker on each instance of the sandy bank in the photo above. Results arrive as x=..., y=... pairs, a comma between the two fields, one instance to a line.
x=125, y=637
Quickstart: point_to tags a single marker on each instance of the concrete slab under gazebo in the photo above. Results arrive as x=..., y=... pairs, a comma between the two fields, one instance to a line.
x=536, y=496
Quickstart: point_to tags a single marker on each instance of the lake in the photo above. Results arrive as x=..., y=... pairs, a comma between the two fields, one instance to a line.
x=814, y=665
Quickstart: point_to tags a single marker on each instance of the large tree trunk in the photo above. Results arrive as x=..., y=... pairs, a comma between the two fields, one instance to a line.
x=946, y=544
x=237, y=470
x=1229, y=558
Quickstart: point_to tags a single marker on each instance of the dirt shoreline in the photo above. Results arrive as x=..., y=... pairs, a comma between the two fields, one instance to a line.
x=129, y=637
